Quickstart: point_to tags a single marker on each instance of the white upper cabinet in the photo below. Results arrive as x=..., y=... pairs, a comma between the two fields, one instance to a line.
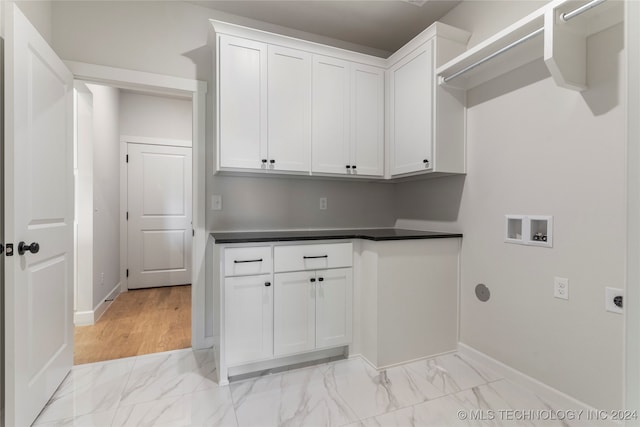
x=426, y=121
x=331, y=121
x=242, y=103
x=289, y=109
x=367, y=120
x=348, y=118
x=410, y=111
x=294, y=107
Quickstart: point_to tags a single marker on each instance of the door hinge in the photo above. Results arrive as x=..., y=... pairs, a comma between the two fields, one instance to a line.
x=127, y=272
x=127, y=215
x=193, y=232
x=127, y=159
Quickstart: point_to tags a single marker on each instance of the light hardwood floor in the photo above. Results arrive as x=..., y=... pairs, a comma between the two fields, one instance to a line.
x=138, y=322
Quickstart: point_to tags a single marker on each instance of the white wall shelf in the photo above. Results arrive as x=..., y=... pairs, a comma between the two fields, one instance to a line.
x=541, y=34
x=502, y=64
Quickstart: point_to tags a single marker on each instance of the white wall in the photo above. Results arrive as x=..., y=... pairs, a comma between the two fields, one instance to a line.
x=40, y=14
x=535, y=148
x=106, y=191
x=155, y=116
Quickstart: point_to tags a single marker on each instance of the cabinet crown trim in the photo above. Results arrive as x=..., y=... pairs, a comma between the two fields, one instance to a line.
x=236, y=30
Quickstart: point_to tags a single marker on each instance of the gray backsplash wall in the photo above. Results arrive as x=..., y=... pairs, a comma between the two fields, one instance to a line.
x=255, y=203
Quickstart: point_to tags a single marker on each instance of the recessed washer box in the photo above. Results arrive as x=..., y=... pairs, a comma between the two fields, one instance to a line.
x=532, y=230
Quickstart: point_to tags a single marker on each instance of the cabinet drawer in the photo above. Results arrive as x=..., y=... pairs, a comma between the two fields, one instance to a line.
x=247, y=261
x=312, y=257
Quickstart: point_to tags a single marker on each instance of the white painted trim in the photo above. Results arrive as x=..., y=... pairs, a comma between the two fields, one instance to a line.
x=131, y=79
x=156, y=141
x=262, y=36
x=106, y=302
x=83, y=318
x=541, y=389
x=632, y=292
x=124, y=256
x=200, y=338
x=87, y=318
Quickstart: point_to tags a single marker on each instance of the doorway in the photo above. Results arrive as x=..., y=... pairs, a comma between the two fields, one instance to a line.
x=141, y=224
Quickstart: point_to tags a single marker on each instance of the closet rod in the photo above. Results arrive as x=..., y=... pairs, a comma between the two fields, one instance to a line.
x=570, y=15
x=494, y=54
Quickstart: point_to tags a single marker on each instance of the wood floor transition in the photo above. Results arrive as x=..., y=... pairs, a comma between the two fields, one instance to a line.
x=141, y=321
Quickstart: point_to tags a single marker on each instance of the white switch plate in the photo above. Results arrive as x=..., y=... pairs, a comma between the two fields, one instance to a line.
x=610, y=294
x=561, y=287
x=323, y=203
x=216, y=202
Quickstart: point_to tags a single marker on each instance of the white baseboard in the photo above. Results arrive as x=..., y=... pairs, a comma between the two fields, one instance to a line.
x=87, y=318
x=541, y=389
x=83, y=318
x=202, y=342
x=106, y=302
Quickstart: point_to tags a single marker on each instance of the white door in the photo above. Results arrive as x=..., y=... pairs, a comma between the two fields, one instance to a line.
x=411, y=87
x=243, y=103
x=159, y=215
x=294, y=312
x=330, y=125
x=367, y=120
x=334, y=294
x=39, y=209
x=248, y=318
x=289, y=109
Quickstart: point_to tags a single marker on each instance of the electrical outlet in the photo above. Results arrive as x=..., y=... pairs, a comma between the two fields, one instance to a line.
x=561, y=287
x=614, y=300
x=323, y=203
x=216, y=202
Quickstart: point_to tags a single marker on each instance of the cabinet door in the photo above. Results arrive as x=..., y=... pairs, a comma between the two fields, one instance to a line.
x=289, y=109
x=330, y=126
x=334, y=307
x=410, y=111
x=295, y=312
x=248, y=319
x=242, y=108
x=367, y=120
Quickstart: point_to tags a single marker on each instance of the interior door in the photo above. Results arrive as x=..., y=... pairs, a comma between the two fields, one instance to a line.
x=38, y=167
x=159, y=215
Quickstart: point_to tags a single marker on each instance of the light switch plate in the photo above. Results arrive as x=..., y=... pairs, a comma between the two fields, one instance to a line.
x=216, y=202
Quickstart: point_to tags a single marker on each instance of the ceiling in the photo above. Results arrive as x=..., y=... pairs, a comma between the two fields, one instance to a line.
x=379, y=24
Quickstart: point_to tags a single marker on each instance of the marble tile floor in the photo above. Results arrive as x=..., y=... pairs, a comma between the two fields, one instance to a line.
x=178, y=388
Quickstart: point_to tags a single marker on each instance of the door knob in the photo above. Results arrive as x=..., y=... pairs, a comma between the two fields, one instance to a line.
x=34, y=248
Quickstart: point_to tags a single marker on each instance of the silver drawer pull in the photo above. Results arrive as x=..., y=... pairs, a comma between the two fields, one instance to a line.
x=244, y=261
x=314, y=257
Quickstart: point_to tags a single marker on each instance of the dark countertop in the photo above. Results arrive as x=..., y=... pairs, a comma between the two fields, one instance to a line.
x=376, y=234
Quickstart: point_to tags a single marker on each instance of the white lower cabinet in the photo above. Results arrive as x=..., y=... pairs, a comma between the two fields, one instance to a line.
x=295, y=312
x=334, y=307
x=282, y=300
x=313, y=310
x=248, y=318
